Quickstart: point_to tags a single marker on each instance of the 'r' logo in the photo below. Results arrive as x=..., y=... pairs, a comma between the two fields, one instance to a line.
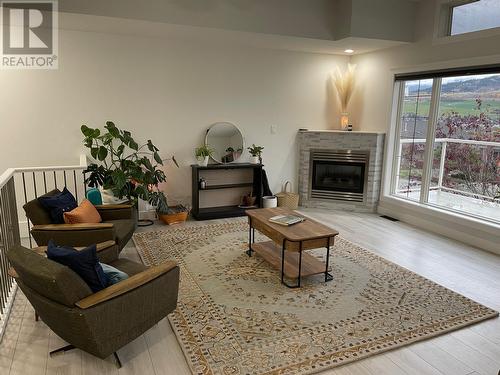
x=27, y=28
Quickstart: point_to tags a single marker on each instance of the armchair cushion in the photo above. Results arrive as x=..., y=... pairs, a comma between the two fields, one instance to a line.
x=57, y=204
x=84, y=262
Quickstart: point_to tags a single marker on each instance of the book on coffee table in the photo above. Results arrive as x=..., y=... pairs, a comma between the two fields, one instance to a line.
x=286, y=220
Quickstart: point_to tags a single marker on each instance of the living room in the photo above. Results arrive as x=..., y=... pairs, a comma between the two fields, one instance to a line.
x=179, y=129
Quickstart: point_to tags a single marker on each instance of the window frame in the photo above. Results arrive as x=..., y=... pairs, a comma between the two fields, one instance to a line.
x=394, y=137
x=443, y=24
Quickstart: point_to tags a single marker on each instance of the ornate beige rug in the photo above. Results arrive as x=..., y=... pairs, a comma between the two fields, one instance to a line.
x=234, y=316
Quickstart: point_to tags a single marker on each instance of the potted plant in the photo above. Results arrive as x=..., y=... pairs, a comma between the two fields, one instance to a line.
x=256, y=153
x=123, y=166
x=202, y=154
x=169, y=215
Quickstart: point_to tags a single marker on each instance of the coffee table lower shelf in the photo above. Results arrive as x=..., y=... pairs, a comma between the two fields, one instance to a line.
x=271, y=253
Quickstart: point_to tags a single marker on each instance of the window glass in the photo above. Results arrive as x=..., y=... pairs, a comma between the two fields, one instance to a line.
x=413, y=130
x=465, y=160
x=475, y=16
x=466, y=165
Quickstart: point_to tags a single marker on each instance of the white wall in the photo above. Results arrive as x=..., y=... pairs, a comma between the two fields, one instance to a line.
x=370, y=106
x=371, y=110
x=169, y=90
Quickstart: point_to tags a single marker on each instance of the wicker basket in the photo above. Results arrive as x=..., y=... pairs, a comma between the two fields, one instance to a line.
x=287, y=198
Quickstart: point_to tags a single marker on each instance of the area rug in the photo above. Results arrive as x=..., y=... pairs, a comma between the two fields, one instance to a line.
x=235, y=317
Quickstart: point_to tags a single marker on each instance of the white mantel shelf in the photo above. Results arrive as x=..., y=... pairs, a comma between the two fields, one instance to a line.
x=338, y=131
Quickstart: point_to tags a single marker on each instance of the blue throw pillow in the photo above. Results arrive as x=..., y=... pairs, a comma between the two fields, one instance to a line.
x=113, y=274
x=84, y=262
x=58, y=204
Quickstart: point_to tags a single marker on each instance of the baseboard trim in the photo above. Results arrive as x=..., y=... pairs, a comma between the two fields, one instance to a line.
x=485, y=236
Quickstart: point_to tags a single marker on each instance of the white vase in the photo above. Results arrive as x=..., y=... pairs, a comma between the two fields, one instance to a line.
x=254, y=160
x=202, y=161
x=269, y=201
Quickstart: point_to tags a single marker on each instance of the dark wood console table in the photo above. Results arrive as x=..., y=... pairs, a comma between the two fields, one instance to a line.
x=217, y=211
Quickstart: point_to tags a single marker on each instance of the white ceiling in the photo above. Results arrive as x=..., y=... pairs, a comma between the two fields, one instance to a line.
x=317, y=26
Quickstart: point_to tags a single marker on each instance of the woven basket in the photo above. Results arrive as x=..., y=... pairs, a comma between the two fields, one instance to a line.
x=287, y=198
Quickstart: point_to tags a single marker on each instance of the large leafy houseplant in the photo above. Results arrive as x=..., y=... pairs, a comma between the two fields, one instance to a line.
x=126, y=168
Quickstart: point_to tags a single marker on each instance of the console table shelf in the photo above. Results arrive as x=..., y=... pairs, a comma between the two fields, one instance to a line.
x=218, y=172
x=228, y=186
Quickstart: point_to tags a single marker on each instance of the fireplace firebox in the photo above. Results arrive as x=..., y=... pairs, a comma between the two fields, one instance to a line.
x=338, y=175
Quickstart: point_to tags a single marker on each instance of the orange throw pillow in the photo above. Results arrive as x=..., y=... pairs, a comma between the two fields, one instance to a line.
x=84, y=213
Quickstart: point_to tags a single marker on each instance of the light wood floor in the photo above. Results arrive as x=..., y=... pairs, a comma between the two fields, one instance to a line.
x=466, y=270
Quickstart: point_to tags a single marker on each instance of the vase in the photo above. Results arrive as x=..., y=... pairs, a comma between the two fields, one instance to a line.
x=344, y=120
x=202, y=161
x=254, y=160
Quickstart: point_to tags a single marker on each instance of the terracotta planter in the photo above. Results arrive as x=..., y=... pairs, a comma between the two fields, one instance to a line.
x=178, y=217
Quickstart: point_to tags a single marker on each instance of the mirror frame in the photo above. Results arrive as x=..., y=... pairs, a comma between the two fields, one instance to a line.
x=242, y=140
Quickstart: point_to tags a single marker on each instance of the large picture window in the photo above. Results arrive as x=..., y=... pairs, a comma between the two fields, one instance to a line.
x=447, y=151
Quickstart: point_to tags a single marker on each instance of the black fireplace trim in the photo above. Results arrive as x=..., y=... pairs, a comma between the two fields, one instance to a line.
x=347, y=156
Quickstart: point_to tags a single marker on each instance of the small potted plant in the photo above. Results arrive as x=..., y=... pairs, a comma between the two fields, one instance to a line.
x=169, y=214
x=202, y=154
x=256, y=153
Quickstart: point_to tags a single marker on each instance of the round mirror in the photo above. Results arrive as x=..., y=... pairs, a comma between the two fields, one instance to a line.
x=226, y=141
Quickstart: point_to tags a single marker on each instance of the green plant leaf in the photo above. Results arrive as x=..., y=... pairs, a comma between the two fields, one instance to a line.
x=151, y=146
x=147, y=163
x=112, y=129
x=87, y=132
x=133, y=144
x=120, y=149
x=157, y=158
x=142, y=192
x=119, y=178
x=102, y=153
x=94, y=151
x=175, y=161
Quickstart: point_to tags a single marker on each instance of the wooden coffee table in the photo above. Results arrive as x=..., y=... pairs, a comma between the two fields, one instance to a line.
x=287, y=245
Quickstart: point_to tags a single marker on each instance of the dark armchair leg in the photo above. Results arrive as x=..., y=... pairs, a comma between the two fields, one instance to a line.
x=63, y=349
x=118, y=362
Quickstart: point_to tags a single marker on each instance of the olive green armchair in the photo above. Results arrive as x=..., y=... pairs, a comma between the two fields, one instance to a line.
x=119, y=222
x=99, y=323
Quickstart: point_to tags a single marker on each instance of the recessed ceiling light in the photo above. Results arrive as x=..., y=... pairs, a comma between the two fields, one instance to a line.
x=349, y=50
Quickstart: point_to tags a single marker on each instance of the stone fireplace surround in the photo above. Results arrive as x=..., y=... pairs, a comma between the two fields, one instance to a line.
x=373, y=142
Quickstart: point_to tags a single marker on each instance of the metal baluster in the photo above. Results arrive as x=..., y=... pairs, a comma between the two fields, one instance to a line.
x=44, y=182
x=34, y=185
x=2, y=278
x=55, y=180
x=26, y=201
x=76, y=187
x=4, y=247
x=65, y=183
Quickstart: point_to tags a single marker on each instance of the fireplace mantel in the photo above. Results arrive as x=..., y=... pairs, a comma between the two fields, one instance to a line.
x=336, y=140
